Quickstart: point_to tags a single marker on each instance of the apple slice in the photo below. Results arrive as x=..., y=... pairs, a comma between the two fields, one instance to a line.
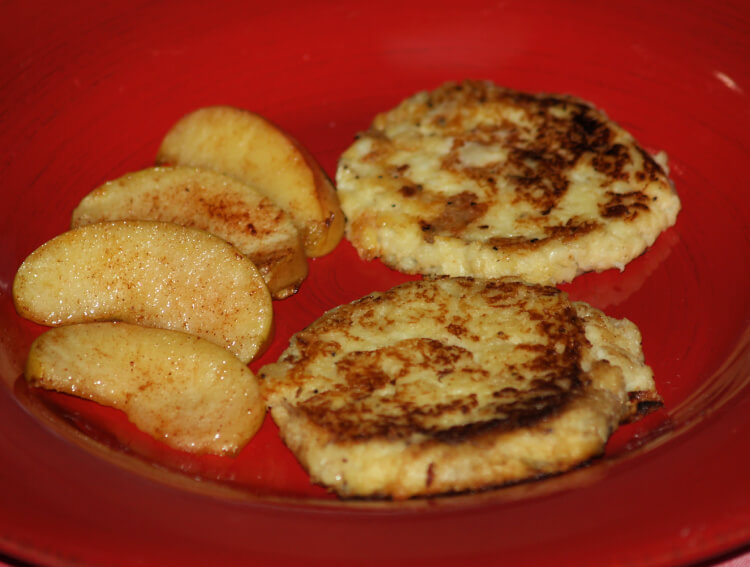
x=248, y=147
x=183, y=390
x=151, y=273
x=213, y=202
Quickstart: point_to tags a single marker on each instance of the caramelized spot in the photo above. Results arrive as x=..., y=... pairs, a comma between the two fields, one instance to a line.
x=652, y=169
x=645, y=402
x=457, y=330
x=410, y=190
x=571, y=229
x=510, y=242
x=624, y=205
x=612, y=163
x=362, y=377
x=538, y=176
x=458, y=212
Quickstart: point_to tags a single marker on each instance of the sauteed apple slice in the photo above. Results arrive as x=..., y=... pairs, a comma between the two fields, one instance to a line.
x=151, y=273
x=208, y=200
x=188, y=392
x=248, y=147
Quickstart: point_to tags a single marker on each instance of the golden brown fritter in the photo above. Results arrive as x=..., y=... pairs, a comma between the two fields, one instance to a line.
x=478, y=180
x=455, y=384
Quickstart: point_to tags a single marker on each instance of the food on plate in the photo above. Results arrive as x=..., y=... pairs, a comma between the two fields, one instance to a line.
x=183, y=390
x=473, y=179
x=453, y=384
x=151, y=273
x=212, y=202
x=246, y=146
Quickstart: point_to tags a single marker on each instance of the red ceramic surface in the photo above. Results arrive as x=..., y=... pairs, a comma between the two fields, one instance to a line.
x=87, y=90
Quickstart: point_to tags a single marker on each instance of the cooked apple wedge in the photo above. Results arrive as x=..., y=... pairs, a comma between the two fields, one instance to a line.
x=248, y=147
x=190, y=393
x=213, y=202
x=151, y=273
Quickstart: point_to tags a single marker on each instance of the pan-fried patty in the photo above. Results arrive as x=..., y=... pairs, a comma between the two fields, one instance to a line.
x=454, y=384
x=478, y=180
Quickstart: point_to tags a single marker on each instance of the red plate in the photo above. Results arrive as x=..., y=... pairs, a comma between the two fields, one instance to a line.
x=87, y=89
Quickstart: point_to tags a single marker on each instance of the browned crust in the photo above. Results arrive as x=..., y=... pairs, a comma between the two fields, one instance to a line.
x=536, y=166
x=643, y=403
x=560, y=375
